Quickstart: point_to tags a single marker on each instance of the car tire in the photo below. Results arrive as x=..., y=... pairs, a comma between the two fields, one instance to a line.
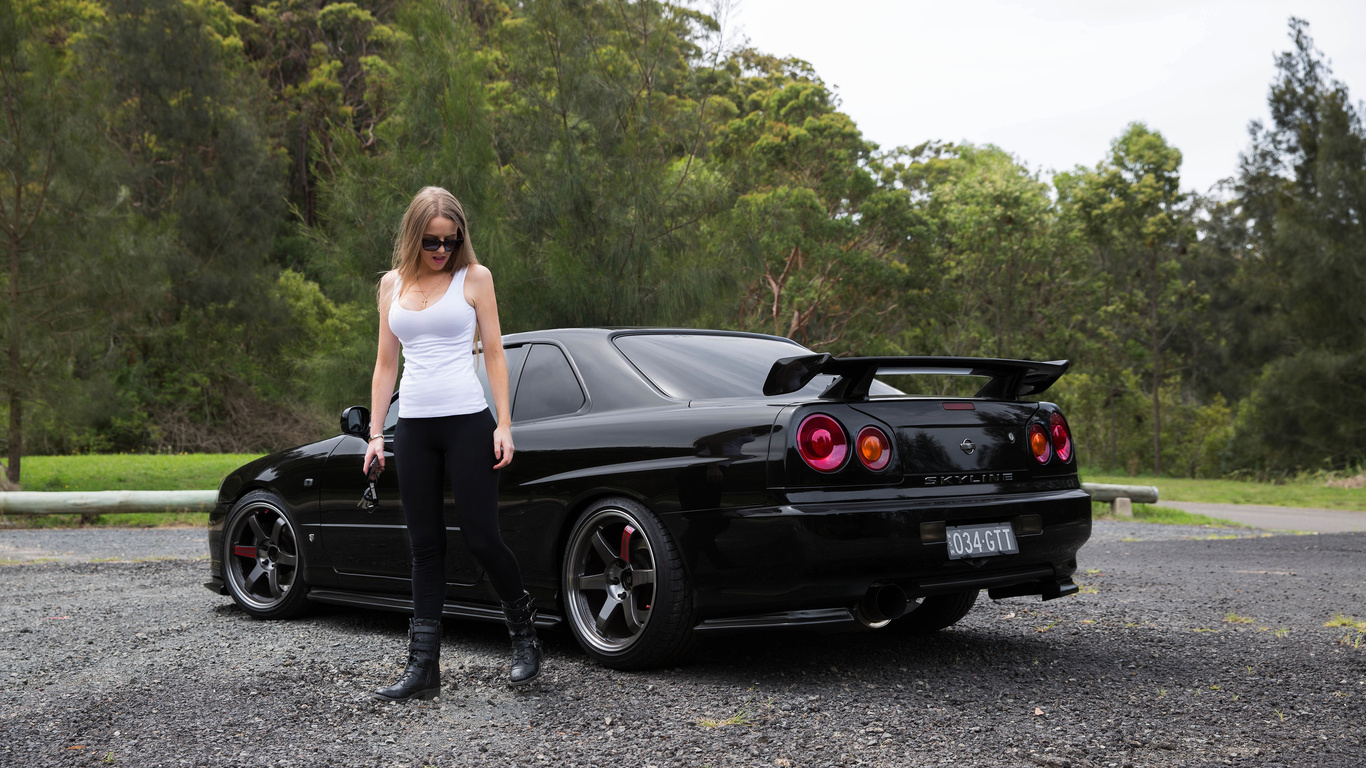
x=262, y=558
x=620, y=618
x=936, y=612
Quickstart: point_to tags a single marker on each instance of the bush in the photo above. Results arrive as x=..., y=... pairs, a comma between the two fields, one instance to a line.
x=1112, y=425
x=1305, y=412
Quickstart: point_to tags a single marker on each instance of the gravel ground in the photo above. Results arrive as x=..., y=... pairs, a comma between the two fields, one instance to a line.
x=1185, y=648
x=76, y=545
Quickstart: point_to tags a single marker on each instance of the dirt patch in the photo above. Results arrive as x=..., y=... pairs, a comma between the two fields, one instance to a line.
x=1358, y=481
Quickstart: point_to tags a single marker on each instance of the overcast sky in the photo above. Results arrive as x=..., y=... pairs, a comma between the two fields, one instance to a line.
x=1055, y=82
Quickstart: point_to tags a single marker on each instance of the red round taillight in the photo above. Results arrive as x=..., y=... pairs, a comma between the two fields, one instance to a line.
x=874, y=448
x=1038, y=443
x=822, y=443
x=1062, y=439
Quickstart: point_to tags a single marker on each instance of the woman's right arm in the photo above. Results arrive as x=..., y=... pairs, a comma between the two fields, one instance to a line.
x=386, y=373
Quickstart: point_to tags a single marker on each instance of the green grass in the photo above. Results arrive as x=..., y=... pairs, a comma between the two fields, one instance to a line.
x=741, y=717
x=125, y=472
x=130, y=471
x=1290, y=494
x=1148, y=513
x=1346, y=621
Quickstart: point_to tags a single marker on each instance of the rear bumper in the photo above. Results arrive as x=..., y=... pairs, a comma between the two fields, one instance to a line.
x=768, y=561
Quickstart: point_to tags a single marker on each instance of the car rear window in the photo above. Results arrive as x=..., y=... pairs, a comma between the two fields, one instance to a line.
x=695, y=366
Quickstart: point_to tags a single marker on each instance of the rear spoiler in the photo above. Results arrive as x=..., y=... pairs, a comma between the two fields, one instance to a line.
x=1010, y=379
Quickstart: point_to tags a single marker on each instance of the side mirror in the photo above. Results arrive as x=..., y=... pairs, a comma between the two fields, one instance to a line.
x=356, y=421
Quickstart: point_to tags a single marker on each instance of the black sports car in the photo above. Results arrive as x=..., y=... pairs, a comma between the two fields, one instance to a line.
x=669, y=483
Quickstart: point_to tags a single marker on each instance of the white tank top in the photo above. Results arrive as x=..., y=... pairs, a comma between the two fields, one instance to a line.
x=438, y=367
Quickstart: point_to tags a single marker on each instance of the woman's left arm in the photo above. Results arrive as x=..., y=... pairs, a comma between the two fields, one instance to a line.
x=480, y=282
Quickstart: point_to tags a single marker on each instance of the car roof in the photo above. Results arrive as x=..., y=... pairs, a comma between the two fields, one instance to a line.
x=612, y=380
x=608, y=332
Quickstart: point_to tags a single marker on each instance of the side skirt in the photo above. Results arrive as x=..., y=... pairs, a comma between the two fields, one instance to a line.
x=544, y=619
x=823, y=618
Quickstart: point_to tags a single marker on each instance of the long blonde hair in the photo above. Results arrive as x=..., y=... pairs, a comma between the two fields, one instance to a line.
x=428, y=204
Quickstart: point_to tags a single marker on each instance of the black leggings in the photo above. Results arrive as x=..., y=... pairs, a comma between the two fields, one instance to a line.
x=463, y=446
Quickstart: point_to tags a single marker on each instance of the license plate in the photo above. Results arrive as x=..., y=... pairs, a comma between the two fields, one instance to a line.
x=980, y=540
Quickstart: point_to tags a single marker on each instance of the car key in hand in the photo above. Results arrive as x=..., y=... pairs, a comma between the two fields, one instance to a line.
x=369, y=500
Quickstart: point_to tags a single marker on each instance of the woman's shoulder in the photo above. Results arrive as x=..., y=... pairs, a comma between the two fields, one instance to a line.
x=387, y=284
x=478, y=275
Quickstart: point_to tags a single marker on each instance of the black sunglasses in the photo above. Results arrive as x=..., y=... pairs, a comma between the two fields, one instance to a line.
x=449, y=244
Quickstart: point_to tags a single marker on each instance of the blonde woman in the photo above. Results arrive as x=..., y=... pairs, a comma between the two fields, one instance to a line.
x=430, y=305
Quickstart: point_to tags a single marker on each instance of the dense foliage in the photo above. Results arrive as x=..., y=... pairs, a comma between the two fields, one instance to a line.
x=199, y=196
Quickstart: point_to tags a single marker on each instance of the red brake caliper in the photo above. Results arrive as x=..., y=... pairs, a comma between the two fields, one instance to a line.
x=244, y=550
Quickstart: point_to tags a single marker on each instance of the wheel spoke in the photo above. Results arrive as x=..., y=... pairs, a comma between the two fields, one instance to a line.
x=604, y=549
x=273, y=578
x=256, y=530
x=639, y=577
x=605, y=613
x=275, y=532
x=596, y=582
x=286, y=559
x=628, y=612
x=256, y=573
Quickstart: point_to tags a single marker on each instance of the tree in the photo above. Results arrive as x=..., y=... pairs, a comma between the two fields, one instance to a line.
x=50, y=194
x=326, y=70
x=1009, y=283
x=1133, y=213
x=816, y=233
x=1302, y=190
x=601, y=114
x=206, y=190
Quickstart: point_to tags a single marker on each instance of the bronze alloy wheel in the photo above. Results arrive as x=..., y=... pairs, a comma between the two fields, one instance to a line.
x=261, y=560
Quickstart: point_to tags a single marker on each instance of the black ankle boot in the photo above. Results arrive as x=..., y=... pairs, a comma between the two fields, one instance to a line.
x=421, y=679
x=526, y=648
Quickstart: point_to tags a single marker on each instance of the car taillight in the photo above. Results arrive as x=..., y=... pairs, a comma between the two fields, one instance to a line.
x=1038, y=443
x=1062, y=439
x=874, y=448
x=822, y=442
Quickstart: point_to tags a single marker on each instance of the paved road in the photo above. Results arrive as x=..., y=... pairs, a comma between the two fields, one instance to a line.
x=1278, y=518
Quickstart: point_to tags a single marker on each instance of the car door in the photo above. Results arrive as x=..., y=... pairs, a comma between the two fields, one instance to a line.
x=369, y=549
x=549, y=393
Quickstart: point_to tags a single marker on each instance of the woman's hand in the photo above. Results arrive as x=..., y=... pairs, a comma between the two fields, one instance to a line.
x=374, y=449
x=502, y=446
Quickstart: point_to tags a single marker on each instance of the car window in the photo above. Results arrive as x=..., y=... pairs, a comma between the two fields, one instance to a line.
x=548, y=386
x=692, y=366
x=516, y=356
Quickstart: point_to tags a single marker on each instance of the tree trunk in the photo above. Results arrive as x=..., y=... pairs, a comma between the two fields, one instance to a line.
x=16, y=437
x=15, y=372
x=1157, y=376
x=309, y=218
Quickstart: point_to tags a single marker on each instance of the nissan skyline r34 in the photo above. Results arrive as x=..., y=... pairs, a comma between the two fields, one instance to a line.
x=670, y=483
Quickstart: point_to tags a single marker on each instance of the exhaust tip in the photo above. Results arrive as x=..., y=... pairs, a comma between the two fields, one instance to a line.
x=881, y=604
